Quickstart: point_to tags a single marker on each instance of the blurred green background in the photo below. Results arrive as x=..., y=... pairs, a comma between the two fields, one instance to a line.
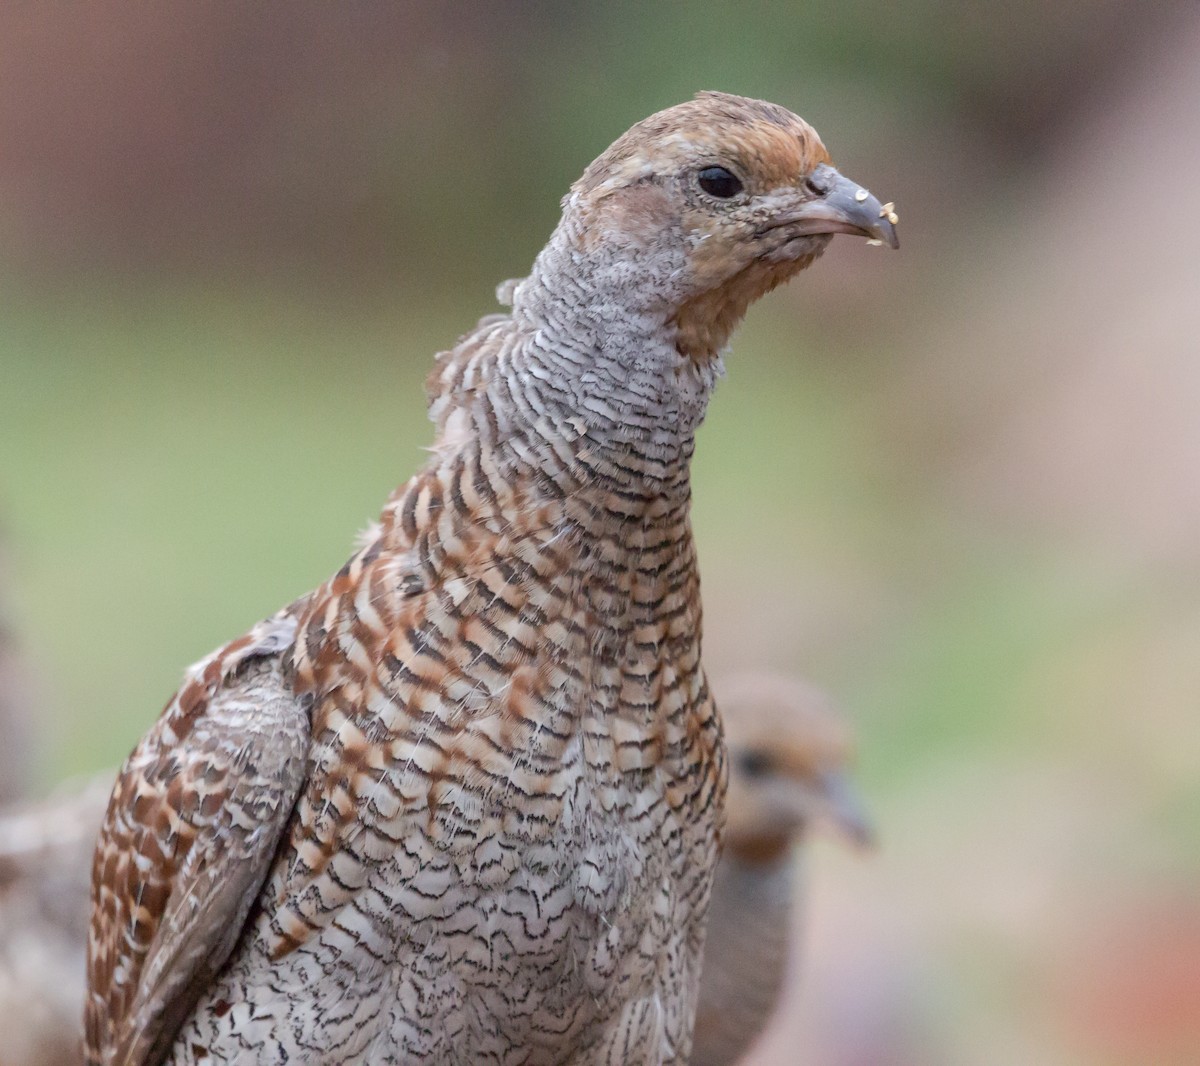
x=958, y=486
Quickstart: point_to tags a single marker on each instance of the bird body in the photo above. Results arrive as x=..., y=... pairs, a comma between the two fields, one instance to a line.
x=477, y=815
x=749, y=946
x=788, y=754
x=506, y=752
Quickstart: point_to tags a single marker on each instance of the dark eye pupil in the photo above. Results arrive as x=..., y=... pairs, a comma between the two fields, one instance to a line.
x=717, y=181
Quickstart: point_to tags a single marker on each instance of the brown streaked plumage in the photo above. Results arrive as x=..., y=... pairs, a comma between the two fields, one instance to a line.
x=463, y=802
x=788, y=753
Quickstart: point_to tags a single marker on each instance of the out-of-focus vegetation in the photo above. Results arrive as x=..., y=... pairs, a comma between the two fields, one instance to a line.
x=955, y=485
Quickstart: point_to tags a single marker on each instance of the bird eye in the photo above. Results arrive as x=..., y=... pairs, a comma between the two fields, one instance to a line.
x=719, y=182
x=753, y=763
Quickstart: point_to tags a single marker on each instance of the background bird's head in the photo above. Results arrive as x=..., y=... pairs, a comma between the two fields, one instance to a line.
x=788, y=755
x=710, y=204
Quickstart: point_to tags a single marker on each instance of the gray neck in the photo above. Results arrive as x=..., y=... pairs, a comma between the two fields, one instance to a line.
x=598, y=321
x=585, y=369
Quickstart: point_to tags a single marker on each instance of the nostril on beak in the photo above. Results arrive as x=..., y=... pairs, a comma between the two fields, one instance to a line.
x=820, y=181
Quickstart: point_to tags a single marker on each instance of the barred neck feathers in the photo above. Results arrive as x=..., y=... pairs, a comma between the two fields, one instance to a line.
x=606, y=363
x=573, y=415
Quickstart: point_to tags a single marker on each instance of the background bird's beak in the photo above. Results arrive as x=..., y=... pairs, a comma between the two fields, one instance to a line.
x=842, y=808
x=844, y=207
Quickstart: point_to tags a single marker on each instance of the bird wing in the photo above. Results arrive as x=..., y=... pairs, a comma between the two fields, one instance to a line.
x=192, y=825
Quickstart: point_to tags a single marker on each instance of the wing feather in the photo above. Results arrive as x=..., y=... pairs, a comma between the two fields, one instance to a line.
x=187, y=841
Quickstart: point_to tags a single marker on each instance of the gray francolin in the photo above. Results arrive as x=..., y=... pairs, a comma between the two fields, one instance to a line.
x=788, y=752
x=463, y=802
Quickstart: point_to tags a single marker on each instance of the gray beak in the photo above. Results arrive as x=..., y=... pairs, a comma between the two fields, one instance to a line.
x=844, y=810
x=844, y=207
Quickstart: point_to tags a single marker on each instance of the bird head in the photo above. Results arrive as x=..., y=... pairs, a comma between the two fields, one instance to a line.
x=788, y=758
x=711, y=204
